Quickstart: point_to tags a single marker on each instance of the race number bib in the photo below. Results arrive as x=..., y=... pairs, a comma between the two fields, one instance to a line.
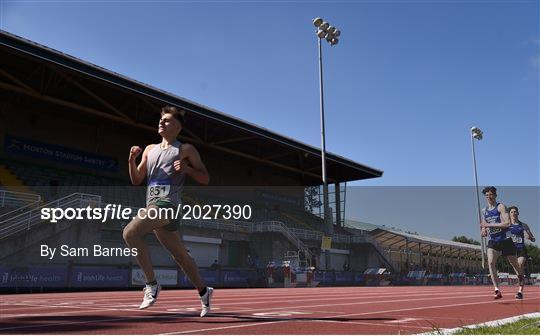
x=158, y=189
x=494, y=230
x=517, y=239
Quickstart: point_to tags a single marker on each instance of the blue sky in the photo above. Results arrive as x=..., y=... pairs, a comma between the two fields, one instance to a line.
x=402, y=87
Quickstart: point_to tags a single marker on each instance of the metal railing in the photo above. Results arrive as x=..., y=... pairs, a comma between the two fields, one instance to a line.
x=22, y=201
x=307, y=234
x=26, y=220
x=381, y=250
x=274, y=226
x=32, y=217
x=218, y=224
x=317, y=235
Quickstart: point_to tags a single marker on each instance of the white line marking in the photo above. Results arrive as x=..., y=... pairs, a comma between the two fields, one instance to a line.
x=282, y=308
x=221, y=328
x=408, y=320
x=495, y=323
x=355, y=303
x=301, y=298
x=368, y=323
x=345, y=315
x=108, y=296
x=427, y=307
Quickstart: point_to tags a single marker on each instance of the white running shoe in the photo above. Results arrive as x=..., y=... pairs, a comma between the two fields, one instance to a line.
x=205, y=301
x=151, y=293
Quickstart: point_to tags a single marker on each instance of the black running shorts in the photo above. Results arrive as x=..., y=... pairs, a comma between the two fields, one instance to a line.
x=522, y=253
x=506, y=247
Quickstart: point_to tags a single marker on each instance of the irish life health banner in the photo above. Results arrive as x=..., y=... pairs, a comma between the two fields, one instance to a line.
x=36, y=149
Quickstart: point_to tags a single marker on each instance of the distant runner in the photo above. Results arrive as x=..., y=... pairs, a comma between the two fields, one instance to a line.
x=495, y=223
x=517, y=230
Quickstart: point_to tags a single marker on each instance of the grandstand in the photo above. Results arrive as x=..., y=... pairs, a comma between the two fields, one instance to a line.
x=67, y=126
x=407, y=251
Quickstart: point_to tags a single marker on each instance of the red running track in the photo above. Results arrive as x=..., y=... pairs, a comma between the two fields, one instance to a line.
x=341, y=310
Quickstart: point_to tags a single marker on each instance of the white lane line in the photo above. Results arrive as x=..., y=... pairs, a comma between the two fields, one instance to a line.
x=125, y=318
x=495, y=323
x=435, y=317
x=287, y=298
x=227, y=327
x=433, y=307
x=282, y=308
x=257, y=293
x=221, y=299
x=375, y=324
x=363, y=303
x=63, y=313
x=95, y=309
x=347, y=315
x=355, y=303
x=180, y=300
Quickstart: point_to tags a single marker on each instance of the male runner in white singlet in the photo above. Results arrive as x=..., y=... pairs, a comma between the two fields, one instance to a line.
x=165, y=165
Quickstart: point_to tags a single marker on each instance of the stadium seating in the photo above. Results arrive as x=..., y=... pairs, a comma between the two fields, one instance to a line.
x=52, y=183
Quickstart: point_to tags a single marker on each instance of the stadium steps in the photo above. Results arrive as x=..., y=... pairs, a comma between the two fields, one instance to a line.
x=20, y=232
x=26, y=239
x=11, y=182
x=381, y=252
x=276, y=226
x=300, y=223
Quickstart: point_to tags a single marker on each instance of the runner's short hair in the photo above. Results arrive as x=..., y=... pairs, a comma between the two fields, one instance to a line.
x=490, y=188
x=175, y=112
x=513, y=207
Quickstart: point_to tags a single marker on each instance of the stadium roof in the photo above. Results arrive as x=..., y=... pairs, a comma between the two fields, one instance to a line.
x=402, y=240
x=394, y=239
x=50, y=76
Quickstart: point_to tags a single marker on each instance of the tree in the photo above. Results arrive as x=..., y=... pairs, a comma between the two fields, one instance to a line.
x=534, y=253
x=463, y=239
x=311, y=198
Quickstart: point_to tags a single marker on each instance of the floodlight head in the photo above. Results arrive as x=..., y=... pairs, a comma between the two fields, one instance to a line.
x=324, y=26
x=329, y=37
x=332, y=29
x=477, y=133
x=320, y=33
x=334, y=41
x=337, y=33
x=317, y=22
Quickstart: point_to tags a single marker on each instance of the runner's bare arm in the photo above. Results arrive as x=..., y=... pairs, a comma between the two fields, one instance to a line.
x=505, y=221
x=196, y=168
x=137, y=173
x=529, y=232
x=483, y=232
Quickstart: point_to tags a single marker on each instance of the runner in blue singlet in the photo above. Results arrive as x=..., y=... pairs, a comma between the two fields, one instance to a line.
x=495, y=224
x=517, y=231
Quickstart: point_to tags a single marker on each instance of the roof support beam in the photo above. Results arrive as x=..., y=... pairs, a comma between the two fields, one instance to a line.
x=16, y=81
x=277, y=155
x=72, y=105
x=239, y=139
x=92, y=94
x=194, y=140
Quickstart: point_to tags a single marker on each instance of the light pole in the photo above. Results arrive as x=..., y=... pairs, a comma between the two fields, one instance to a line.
x=330, y=34
x=477, y=134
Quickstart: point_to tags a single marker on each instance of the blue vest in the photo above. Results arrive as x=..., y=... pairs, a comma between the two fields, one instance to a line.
x=518, y=235
x=493, y=216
